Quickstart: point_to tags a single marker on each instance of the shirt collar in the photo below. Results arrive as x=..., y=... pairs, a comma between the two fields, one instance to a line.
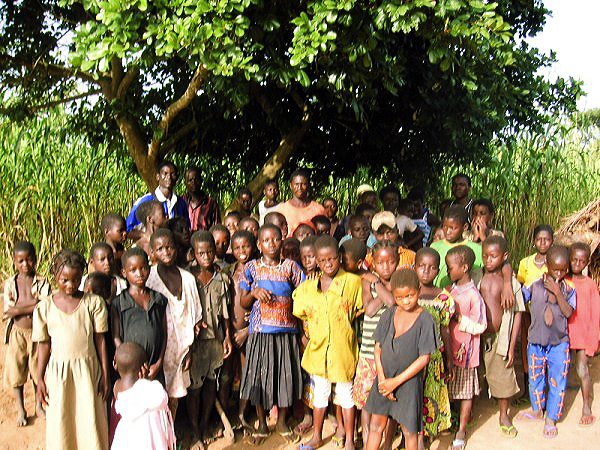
x=161, y=198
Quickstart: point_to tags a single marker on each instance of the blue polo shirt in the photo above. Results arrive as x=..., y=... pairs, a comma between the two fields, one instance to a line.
x=179, y=207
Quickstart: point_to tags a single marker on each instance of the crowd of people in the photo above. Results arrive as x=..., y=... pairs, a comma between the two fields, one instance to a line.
x=386, y=319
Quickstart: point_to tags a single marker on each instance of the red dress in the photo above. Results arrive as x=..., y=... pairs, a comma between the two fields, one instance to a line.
x=584, y=323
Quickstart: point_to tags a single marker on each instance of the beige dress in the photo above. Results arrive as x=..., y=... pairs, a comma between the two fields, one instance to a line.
x=76, y=414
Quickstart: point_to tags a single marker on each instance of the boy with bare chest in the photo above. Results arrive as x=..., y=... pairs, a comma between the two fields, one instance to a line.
x=503, y=327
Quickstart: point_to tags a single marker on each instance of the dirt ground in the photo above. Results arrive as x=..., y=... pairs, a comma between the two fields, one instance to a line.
x=483, y=432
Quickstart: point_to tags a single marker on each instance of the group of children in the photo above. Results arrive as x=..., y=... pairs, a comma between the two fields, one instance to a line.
x=297, y=326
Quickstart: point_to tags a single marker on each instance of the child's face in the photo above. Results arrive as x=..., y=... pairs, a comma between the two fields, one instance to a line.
x=281, y=223
x=241, y=249
x=417, y=207
x=245, y=201
x=103, y=261
x=453, y=230
x=558, y=268
x=350, y=263
x=370, y=198
x=231, y=223
x=251, y=226
x=481, y=212
x=579, y=259
x=183, y=236
x=456, y=268
x=308, y=258
x=427, y=269
x=204, y=253
x=269, y=243
x=136, y=271
x=360, y=229
x=460, y=188
x=271, y=191
x=390, y=202
x=69, y=279
x=221, y=243
x=387, y=233
x=290, y=250
x=164, y=251
x=24, y=262
x=406, y=297
x=543, y=241
x=158, y=217
x=323, y=228
x=493, y=257
x=117, y=232
x=328, y=260
x=302, y=231
x=385, y=262
x=192, y=181
x=331, y=208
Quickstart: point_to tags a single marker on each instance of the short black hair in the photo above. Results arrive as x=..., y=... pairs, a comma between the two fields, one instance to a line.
x=309, y=241
x=161, y=233
x=100, y=284
x=145, y=210
x=356, y=218
x=68, y=258
x=557, y=252
x=485, y=202
x=133, y=252
x=385, y=244
x=364, y=207
x=496, y=240
x=178, y=224
x=205, y=236
x=233, y=214
x=326, y=241
x=330, y=199
x=100, y=246
x=111, y=219
x=193, y=169
x=416, y=193
x=465, y=253
x=462, y=175
x=244, y=191
x=244, y=234
x=130, y=357
x=404, y=204
x=269, y=217
x=458, y=213
x=269, y=226
x=356, y=248
x=427, y=251
x=268, y=182
x=543, y=227
x=300, y=172
x=320, y=219
x=405, y=278
x=166, y=163
x=389, y=189
x=25, y=247
x=581, y=246
x=219, y=228
x=248, y=219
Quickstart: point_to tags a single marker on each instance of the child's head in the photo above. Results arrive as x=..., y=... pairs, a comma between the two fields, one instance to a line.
x=353, y=252
x=384, y=227
x=455, y=223
x=366, y=210
x=271, y=190
x=427, y=265
x=290, y=249
x=557, y=261
x=135, y=266
x=129, y=359
x=390, y=196
x=102, y=258
x=579, y=257
x=405, y=289
x=366, y=194
x=232, y=221
x=192, y=178
x=68, y=267
x=484, y=209
x=167, y=174
x=385, y=259
x=322, y=224
x=459, y=261
x=151, y=214
x=181, y=231
x=359, y=228
x=278, y=220
x=100, y=284
x=163, y=247
x=303, y=230
x=244, y=199
x=249, y=224
x=331, y=207
x=24, y=258
x=495, y=253
x=327, y=255
x=543, y=238
x=269, y=241
x=221, y=237
x=417, y=197
x=205, y=248
x=243, y=246
x=461, y=186
x=114, y=228
x=405, y=207
x=307, y=254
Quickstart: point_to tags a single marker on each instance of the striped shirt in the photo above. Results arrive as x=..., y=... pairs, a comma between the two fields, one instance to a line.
x=367, y=344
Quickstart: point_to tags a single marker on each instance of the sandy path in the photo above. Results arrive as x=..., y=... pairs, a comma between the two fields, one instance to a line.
x=484, y=433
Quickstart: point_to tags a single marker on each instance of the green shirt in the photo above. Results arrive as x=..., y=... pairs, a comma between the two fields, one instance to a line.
x=442, y=280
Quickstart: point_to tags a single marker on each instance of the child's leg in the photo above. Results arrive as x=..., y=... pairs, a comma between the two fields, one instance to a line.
x=410, y=439
x=173, y=402
x=21, y=414
x=209, y=394
x=343, y=393
x=558, y=369
x=466, y=407
x=583, y=372
x=537, y=362
x=377, y=426
x=193, y=408
x=365, y=421
x=390, y=433
x=321, y=393
x=340, y=431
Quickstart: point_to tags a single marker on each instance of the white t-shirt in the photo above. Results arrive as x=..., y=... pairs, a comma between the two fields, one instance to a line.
x=263, y=211
x=404, y=224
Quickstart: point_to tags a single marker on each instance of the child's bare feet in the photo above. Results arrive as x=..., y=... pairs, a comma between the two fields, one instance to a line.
x=530, y=415
x=39, y=410
x=587, y=419
x=312, y=444
x=21, y=418
x=550, y=430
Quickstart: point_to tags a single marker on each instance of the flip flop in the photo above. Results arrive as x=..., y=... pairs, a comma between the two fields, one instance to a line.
x=458, y=444
x=339, y=441
x=528, y=416
x=306, y=447
x=290, y=437
x=509, y=431
x=548, y=429
x=591, y=422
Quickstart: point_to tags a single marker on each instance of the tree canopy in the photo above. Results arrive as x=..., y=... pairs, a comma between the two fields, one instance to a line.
x=403, y=85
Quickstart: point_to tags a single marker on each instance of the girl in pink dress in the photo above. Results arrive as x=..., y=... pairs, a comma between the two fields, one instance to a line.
x=146, y=421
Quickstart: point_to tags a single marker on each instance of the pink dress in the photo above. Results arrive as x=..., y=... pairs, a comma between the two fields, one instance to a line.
x=584, y=323
x=146, y=421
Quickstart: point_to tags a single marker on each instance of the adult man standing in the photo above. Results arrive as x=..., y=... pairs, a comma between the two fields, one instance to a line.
x=203, y=210
x=461, y=187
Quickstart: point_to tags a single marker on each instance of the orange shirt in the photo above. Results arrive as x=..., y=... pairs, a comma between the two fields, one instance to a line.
x=406, y=259
x=294, y=216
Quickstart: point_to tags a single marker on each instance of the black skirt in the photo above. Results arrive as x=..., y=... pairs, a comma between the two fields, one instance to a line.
x=272, y=375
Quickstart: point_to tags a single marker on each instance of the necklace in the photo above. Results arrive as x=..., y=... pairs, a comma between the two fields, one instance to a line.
x=537, y=261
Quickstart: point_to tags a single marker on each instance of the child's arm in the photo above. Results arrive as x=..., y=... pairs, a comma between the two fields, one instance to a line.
x=380, y=373
x=554, y=288
x=507, y=296
x=475, y=321
x=375, y=295
x=155, y=368
x=445, y=333
x=115, y=325
x=227, y=348
x=104, y=385
x=43, y=354
x=389, y=385
x=514, y=335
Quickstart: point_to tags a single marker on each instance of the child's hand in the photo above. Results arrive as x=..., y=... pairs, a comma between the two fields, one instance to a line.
x=103, y=387
x=227, y=348
x=239, y=337
x=187, y=359
x=42, y=392
x=387, y=387
x=507, y=296
x=10, y=313
x=451, y=371
x=262, y=295
x=153, y=371
x=552, y=287
x=510, y=359
x=144, y=370
x=199, y=327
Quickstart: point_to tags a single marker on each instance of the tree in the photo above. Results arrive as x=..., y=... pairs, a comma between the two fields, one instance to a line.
x=404, y=85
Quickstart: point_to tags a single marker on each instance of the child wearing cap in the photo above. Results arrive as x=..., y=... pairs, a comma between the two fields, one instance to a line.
x=385, y=229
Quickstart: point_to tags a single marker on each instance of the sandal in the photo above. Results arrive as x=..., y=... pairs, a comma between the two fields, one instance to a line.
x=339, y=441
x=256, y=438
x=290, y=437
x=550, y=431
x=509, y=431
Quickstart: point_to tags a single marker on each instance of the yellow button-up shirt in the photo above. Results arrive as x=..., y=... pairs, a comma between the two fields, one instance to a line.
x=332, y=350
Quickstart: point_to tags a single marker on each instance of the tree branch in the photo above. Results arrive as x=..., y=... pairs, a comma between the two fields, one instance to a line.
x=51, y=69
x=35, y=108
x=178, y=135
x=129, y=77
